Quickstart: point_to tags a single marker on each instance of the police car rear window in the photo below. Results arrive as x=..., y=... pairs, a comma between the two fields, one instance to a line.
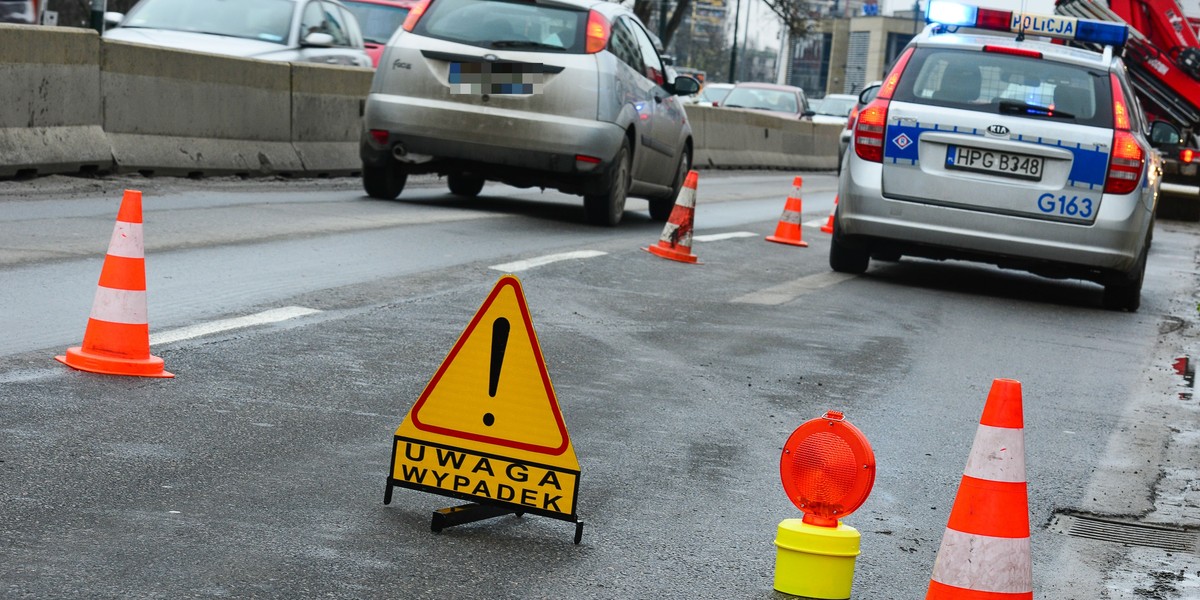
x=996, y=83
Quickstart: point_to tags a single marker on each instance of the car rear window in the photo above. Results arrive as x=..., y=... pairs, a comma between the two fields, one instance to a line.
x=378, y=21
x=505, y=25
x=997, y=83
x=775, y=100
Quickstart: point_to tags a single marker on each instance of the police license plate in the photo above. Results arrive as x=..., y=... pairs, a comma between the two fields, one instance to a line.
x=1005, y=164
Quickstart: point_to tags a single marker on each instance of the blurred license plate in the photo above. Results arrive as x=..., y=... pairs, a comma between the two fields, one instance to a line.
x=1005, y=164
x=495, y=78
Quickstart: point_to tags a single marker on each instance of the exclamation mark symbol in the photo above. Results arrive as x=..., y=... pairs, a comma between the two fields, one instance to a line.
x=499, y=343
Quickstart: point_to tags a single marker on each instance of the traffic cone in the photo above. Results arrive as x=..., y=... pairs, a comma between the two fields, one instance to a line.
x=117, y=339
x=828, y=226
x=676, y=240
x=788, y=230
x=985, y=552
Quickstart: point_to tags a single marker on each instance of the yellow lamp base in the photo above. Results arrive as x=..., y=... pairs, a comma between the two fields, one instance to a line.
x=815, y=562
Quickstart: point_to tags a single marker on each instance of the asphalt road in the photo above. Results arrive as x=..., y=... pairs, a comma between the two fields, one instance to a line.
x=259, y=470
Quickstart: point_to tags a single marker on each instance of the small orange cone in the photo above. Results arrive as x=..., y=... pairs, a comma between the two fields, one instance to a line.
x=676, y=240
x=117, y=339
x=985, y=552
x=788, y=230
x=828, y=226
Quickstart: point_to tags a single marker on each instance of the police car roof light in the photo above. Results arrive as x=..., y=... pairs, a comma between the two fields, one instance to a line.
x=953, y=14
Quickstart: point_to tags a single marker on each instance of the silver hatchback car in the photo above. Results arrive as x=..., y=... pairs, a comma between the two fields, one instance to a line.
x=1001, y=148
x=566, y=94
x=321, y=31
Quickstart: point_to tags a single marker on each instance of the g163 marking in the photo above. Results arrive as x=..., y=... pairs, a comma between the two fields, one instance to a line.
x=1068, y=206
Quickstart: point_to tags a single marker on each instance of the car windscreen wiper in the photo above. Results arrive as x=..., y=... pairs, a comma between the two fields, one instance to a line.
x=525, y=44
x=1013, y=107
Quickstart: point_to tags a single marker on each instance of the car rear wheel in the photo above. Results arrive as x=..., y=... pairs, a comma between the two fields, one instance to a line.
x=608, y=207
x=660, y=208
x=845, y=258
x=1127, y=293
x=465, y=185
x=384, y=183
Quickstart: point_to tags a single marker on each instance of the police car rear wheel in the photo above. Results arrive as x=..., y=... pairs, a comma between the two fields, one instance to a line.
x=844, y=258
x=1127, y=294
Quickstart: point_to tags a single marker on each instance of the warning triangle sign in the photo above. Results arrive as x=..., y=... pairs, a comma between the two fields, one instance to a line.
x=493, y=388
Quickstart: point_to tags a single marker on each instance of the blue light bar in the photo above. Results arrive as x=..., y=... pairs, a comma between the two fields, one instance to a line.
x=951, y=13
x=1098, y=32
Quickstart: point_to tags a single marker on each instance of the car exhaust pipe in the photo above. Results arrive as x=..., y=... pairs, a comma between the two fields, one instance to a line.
x=399, y=151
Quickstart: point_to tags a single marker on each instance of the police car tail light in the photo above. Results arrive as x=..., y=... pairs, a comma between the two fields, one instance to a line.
x=1125, y=163
x=872, y=119
x=414, y=15
x=952, y=14
x=868, y=131
x=598, y=30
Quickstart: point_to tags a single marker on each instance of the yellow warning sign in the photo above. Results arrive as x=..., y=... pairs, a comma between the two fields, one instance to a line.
x=488, y=426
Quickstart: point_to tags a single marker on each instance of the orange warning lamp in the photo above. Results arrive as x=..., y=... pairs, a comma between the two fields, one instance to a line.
x=828, y=469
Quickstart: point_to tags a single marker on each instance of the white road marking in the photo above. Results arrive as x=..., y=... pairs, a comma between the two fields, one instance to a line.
x=816, y=222
x=522, y=265
x=274, y=315
x=716, y=237
x=786, y=292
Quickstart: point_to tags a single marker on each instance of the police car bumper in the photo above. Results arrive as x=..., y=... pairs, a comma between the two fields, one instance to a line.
x=1092, y=251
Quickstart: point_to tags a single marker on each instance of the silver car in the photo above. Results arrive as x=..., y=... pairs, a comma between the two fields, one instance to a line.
x=321, y=31
x=566, y=94
x=1002, y=148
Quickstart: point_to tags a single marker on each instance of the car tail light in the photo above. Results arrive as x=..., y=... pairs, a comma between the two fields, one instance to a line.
x=1013, y=51
x=415, y=14
x=851, y=117
x=868, y=130
x=1128, y=158
x=1187, y=155
x=380, y=136
x=598, y=30
x=872, y=119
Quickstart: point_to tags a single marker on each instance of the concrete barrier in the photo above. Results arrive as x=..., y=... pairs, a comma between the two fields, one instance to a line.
x=327, y=105
x=738, y=138
x=172, y=112
x=50, y=102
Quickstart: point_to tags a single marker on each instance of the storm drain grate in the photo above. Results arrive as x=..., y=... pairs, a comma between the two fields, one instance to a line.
x=1131, y=534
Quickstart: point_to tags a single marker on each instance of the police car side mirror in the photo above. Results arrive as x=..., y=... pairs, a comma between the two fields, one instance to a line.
x=1164, y=134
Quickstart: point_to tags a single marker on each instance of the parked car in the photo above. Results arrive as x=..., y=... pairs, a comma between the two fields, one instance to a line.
x=785, y=99
x=570, y=95
x=17, y=11
x=379, y=20
x=1006, y=149
x=321, y=31
x=834, y=109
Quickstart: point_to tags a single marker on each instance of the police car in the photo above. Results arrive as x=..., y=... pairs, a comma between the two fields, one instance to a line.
x=994, y=141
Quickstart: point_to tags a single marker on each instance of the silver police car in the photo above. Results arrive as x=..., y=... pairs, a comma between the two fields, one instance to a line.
x=568, y=94
x=1002, y=147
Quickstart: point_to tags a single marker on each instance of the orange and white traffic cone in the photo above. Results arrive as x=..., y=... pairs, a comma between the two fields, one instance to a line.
x=117, y=339
x=828, y=226
x=676, y=240
x=788, y=229
x=985, y=551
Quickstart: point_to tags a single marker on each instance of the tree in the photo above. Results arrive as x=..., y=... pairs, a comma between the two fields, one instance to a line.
x=796, y=15
x=644, y=9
